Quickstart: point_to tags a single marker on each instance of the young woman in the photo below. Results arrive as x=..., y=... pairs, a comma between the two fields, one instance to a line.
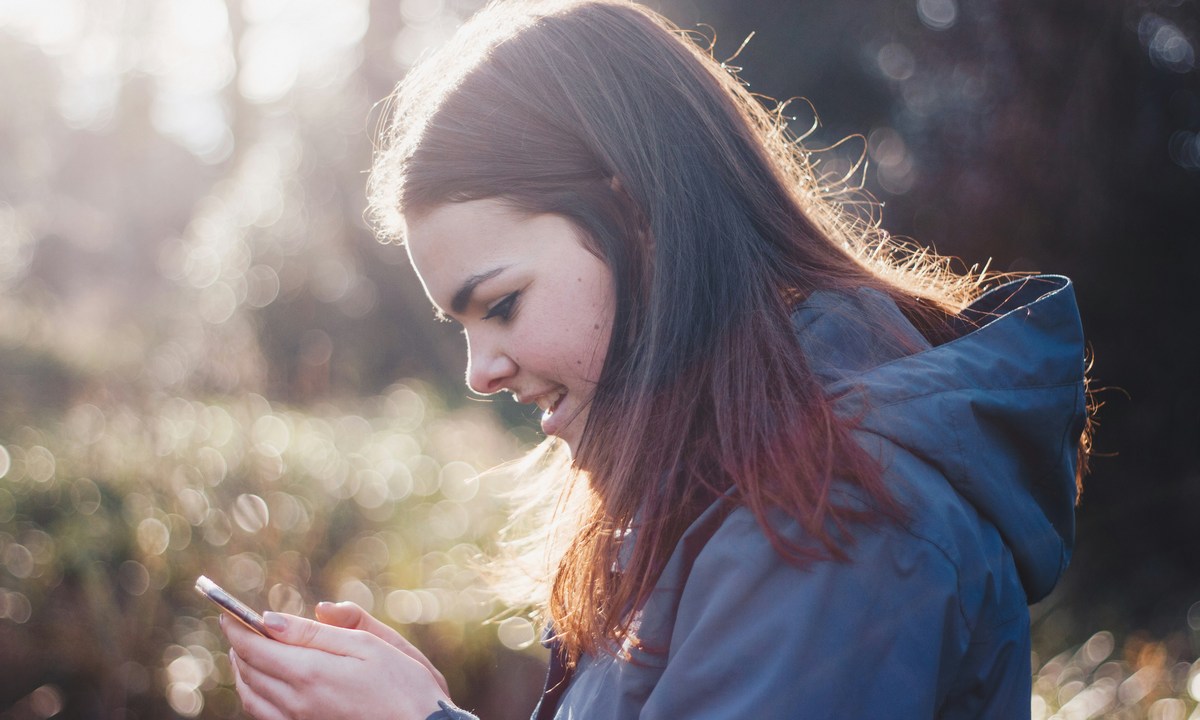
x=801, y=471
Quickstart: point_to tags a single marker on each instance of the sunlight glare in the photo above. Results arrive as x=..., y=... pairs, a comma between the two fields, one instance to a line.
x=297, y=42
x=416, y=12
x=53, y=25
x=191, y=58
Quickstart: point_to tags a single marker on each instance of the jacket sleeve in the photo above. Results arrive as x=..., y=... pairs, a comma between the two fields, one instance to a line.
x=449, y=712
x=757, y=637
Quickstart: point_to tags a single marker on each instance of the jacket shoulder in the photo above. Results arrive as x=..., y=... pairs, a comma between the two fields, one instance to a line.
x=890, y=619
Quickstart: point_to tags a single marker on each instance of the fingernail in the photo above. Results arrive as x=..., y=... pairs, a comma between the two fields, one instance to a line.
x=324, y=605
x=275, y=621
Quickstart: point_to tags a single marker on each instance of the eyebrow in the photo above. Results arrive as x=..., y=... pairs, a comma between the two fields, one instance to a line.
x=462, y=298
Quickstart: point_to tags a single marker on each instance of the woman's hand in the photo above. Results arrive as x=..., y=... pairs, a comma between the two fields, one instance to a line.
x=350, y=615
x=356, y=667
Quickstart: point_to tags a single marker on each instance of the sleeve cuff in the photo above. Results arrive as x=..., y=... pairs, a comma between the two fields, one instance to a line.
x=449, y=712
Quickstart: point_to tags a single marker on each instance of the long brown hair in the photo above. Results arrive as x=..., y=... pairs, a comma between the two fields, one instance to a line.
x=714, y=225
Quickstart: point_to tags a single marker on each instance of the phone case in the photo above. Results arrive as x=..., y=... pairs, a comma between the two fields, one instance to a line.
x=232, y=605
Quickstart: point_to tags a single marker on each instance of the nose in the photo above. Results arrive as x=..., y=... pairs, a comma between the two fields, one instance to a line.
x=489, y=368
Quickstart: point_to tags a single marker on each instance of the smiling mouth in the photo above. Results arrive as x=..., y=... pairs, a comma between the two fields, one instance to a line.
x=550, y=402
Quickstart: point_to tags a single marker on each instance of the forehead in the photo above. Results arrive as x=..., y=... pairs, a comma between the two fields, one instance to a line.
x=454, y=239
x=453, y=227
x=456, y=242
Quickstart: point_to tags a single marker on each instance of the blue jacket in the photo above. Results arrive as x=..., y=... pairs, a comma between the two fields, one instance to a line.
x=977, y=438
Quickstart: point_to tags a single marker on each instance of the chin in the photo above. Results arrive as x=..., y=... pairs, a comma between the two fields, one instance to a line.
x=569, y=441
x=570, y=435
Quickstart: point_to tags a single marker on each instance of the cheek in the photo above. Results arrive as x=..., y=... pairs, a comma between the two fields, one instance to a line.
x=574, y=326
x=594, y=334
x=574, y=344
x=601, y=321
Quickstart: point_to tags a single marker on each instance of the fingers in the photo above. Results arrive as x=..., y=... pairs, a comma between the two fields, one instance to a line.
x=350, y=615
x=299, y=676
x=253, y=702
x=299, y=645
x=278, y=681
x=282, y=658
x=240, y=636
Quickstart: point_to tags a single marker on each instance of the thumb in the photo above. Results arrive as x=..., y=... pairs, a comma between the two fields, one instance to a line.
x=343, y=614
x=350, y=615
x=295, y=630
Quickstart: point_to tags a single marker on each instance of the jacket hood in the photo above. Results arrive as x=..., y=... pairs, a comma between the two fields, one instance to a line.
x=998, y=410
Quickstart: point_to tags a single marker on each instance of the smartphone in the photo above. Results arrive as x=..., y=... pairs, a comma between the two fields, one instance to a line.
x=232, y=605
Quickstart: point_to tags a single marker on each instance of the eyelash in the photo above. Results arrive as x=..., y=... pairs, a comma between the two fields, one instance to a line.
x=505, y=309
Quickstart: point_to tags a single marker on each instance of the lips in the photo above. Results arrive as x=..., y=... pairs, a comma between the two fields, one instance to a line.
x=549, y=403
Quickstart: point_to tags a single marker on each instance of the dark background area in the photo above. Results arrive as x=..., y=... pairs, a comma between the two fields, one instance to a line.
x=181, y=217
x=1054, y=137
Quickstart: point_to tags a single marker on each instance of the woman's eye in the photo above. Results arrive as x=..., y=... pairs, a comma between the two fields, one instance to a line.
x=503, y=309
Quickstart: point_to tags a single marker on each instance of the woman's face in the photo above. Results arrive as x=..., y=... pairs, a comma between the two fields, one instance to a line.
x=535, y=305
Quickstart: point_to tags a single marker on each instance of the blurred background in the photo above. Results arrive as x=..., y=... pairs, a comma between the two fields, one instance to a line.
x=208, y=365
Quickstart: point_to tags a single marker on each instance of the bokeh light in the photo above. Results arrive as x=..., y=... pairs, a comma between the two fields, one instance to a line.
x=516, y=633
x=938, y=14
x=1166, y=44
